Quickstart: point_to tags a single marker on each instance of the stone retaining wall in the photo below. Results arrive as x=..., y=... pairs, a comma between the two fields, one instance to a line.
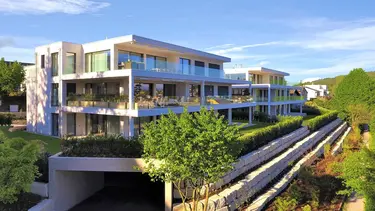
x=259, y=203
x=232, y=197
x=254, y=158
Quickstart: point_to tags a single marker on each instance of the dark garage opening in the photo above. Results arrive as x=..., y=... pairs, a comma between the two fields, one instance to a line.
x=125, y=191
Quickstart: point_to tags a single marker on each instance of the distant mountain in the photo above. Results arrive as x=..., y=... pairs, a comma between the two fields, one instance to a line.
x=333, y=82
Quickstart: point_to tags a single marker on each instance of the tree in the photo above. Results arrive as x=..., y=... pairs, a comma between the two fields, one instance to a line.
x=17, y=167
x=359, y=114
x=11, y=77
x=356, y=88
x=358, y=173
x=196, y=149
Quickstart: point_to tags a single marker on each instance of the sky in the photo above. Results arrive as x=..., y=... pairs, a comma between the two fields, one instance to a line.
x=308, y=39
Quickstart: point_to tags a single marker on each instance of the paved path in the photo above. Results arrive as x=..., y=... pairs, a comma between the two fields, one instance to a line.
x=355, y=203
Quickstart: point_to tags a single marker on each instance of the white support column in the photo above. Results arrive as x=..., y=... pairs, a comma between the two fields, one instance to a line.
x=131, y=91
x=269, y=99
x=131, y=126
x=203, y=102
x=168, y=196
x=216, y=90
x=250, y=115
x=124, y=124
x=289, y=106
x=230, y=116
x=114, y=58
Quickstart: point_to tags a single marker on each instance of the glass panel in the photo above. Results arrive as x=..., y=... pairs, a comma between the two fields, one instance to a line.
x=55, y=95
x=55, y=64
x=236, y=76
x=161, y=63
x=113, y=125
x=71, y=124
x=199, y=68
x=185, y=66
x=223, y=90
x=88, y=63
x=214, y=70
x=70, y=64
x=98, y=61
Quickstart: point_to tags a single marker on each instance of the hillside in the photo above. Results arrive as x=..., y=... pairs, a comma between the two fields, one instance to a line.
x=332, y=82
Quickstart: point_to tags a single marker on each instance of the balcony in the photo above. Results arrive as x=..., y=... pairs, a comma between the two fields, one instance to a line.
x=148, y=102
x=282, y=82
x=287, y=98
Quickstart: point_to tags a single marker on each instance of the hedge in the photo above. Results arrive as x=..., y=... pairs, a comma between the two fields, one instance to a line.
x=42, y=164
x=260, y=137
x=319, y=121
x=101, y=146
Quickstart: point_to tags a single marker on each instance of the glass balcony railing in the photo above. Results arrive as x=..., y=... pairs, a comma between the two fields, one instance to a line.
x=122, y=101
x=261, y=99
x=279, y=82
x=287, y=98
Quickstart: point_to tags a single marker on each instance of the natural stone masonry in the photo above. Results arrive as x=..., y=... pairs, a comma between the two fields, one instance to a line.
x=338, y=147
x=254, y=158
x=262, y=200
x=232, y=197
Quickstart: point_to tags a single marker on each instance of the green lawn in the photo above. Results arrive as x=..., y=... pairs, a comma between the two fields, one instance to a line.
x=255, y=127
x=52, y=144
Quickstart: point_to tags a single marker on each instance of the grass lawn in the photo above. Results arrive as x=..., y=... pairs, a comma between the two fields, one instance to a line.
x=53, y=144
x=255, y=127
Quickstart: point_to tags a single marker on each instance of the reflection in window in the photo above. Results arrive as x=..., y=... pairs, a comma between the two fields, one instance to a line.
x=55, y=95
x=70, y=63
x=199, y=68
x=55, y=64
x=156, y=63
x=130, y=60
x=55, y=124
x=98, y=61
x=185, y=66
x=237, y=76
x=214, y=70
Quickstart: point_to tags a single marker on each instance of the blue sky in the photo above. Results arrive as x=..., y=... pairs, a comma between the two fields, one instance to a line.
x=309, y=39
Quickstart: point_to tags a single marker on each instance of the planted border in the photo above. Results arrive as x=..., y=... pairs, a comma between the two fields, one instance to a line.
x=319, y=121
x=258, y=138
x=101, y=146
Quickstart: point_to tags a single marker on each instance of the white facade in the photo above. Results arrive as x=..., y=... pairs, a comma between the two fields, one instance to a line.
x=314, y=91
x=269, y=89
x=115, y=85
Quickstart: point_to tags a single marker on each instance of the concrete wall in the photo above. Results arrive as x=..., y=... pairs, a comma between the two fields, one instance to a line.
x=253, y=182
x=40, y=189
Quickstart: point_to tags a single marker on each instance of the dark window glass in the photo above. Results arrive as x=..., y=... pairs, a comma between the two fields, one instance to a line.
x=42, y=62
x=55, y=124
x=55, y=64
x=199, y=68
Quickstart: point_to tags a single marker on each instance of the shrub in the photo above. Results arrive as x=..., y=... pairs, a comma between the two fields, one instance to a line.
x=255, y=139
x=101, y=146
x=285, y=203
x=319, y=121
x=6, y=119
x=42, y=164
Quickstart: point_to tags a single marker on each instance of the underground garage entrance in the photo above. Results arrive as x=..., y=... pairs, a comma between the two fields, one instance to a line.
x=125, y=191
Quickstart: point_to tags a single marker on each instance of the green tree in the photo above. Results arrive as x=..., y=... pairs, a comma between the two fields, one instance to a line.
x=11, y=77
x=356, y=88
x=17, y=168
x=358, y=173
x=195, y=149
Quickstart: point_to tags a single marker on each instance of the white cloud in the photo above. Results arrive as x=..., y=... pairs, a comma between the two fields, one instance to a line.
x=50, y=6
x=262, y=63
x=241, y=48
x=219, y=46
x=310, y=79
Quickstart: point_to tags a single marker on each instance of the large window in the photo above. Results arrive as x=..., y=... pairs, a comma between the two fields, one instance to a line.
x=70, y=63
x=199, y=68
x=55, y=64
x=223, y=90
x=130, y=60
x=214, y=70
x=98, y=61
x=42, y=61
x=185, y=66
x=55, y=94
x=71, y=124
x=55, y=124
x=156, y=63
x=102, y=124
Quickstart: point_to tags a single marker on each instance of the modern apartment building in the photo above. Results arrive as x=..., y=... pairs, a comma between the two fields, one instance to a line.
x=116, y=85
x=269, y=89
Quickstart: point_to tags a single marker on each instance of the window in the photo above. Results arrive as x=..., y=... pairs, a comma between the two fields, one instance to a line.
x=199, y=68
x=70, y=64
x=98, y=61
x=55, y=95
x=71, y=124
x=136, y=60
x=42, y=61
x=223, y=90
x=214, y=70
x=55, y=124
x=55, y=64
x=156, y=62
x=185, y=66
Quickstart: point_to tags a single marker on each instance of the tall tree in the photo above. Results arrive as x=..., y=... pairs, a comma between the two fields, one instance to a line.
x=195, y=149
x=11, y=77
x=356, y=88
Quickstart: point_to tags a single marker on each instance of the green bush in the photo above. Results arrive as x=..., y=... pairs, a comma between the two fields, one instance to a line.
x=6, y=119
x=42, y=164
x=101, y=146
x=319, y=121
x=255, y=139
